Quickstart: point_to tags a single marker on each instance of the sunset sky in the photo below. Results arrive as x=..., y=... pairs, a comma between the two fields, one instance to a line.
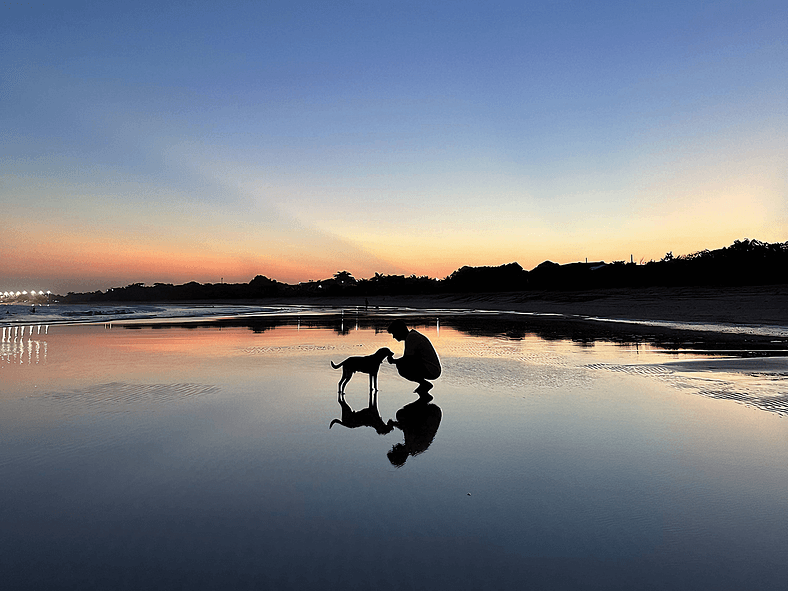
x=178, y=141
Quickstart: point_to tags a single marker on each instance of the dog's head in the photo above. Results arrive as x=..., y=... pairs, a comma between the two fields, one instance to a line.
x=384, y=353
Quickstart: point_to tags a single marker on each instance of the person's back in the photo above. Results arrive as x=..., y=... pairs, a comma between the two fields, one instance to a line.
x=419, y=346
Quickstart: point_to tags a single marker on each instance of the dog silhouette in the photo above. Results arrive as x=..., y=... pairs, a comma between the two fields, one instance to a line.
x=369, y=364
x=366, y=417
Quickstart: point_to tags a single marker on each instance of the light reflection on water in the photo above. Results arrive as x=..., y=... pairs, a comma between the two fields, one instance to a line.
x=205, y=457
x=16, y=348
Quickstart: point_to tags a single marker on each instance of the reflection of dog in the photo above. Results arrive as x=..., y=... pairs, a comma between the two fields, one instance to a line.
x=366, y=417
x=369, y=365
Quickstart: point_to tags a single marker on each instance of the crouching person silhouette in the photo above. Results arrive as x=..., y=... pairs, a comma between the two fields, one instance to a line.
x=419, y=361
x=419, y=422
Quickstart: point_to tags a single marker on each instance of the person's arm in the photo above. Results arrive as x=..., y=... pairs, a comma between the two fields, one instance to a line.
x=408, y=350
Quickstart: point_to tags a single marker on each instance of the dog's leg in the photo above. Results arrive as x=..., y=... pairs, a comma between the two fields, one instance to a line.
x=377, y=371
x=346, y=375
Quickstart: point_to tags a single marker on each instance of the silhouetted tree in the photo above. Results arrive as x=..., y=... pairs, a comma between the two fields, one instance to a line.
x=745, y=262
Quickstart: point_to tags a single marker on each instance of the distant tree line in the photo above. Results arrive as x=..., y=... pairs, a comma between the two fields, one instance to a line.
x=745, y=262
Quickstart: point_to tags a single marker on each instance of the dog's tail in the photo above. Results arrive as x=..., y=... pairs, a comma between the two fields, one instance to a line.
x=335, y=421
x=336, y=366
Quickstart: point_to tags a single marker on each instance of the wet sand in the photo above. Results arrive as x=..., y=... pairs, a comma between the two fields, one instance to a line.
x=767, y=305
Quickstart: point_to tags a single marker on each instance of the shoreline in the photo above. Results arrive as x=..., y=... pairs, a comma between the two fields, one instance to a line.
x=719, y=316
x=616, y=314
x=760, y=305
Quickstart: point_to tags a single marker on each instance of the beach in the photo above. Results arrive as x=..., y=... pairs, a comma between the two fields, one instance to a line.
x=741, y=317
x=751, y=305
x=198, y=446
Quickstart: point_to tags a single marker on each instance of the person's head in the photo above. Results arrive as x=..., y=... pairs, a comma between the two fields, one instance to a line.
x=399, y=330
x=398, y=455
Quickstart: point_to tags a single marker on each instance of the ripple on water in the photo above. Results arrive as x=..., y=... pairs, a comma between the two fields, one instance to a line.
x=512, y=375
x=291, y=349
x=120, y=396
x=507, y=365
x=650, y=370
x=505, y=350
x=763, y=390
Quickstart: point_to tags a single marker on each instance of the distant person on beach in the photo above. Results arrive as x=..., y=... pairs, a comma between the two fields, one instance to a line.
x=419, y=362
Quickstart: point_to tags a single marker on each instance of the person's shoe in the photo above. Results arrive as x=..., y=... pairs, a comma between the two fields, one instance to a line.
x=423, y=388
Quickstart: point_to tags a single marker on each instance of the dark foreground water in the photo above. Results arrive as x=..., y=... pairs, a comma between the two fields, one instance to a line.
x=200, y=457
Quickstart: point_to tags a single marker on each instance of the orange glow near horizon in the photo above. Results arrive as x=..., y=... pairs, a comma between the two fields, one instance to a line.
x=106, y=268
x=235, y=244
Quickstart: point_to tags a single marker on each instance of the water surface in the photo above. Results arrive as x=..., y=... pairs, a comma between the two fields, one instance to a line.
x=200, y=456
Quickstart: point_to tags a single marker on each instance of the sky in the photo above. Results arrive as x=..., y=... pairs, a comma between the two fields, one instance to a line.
x=176, y=141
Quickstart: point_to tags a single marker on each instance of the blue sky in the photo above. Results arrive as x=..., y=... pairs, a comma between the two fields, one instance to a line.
x=177, y=141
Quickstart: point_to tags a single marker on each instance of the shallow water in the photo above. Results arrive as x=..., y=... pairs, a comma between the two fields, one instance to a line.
x=17, y=315
x=200, y=456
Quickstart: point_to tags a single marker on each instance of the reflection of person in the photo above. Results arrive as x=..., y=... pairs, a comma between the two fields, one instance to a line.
x=419, y=361
x=419, y=422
